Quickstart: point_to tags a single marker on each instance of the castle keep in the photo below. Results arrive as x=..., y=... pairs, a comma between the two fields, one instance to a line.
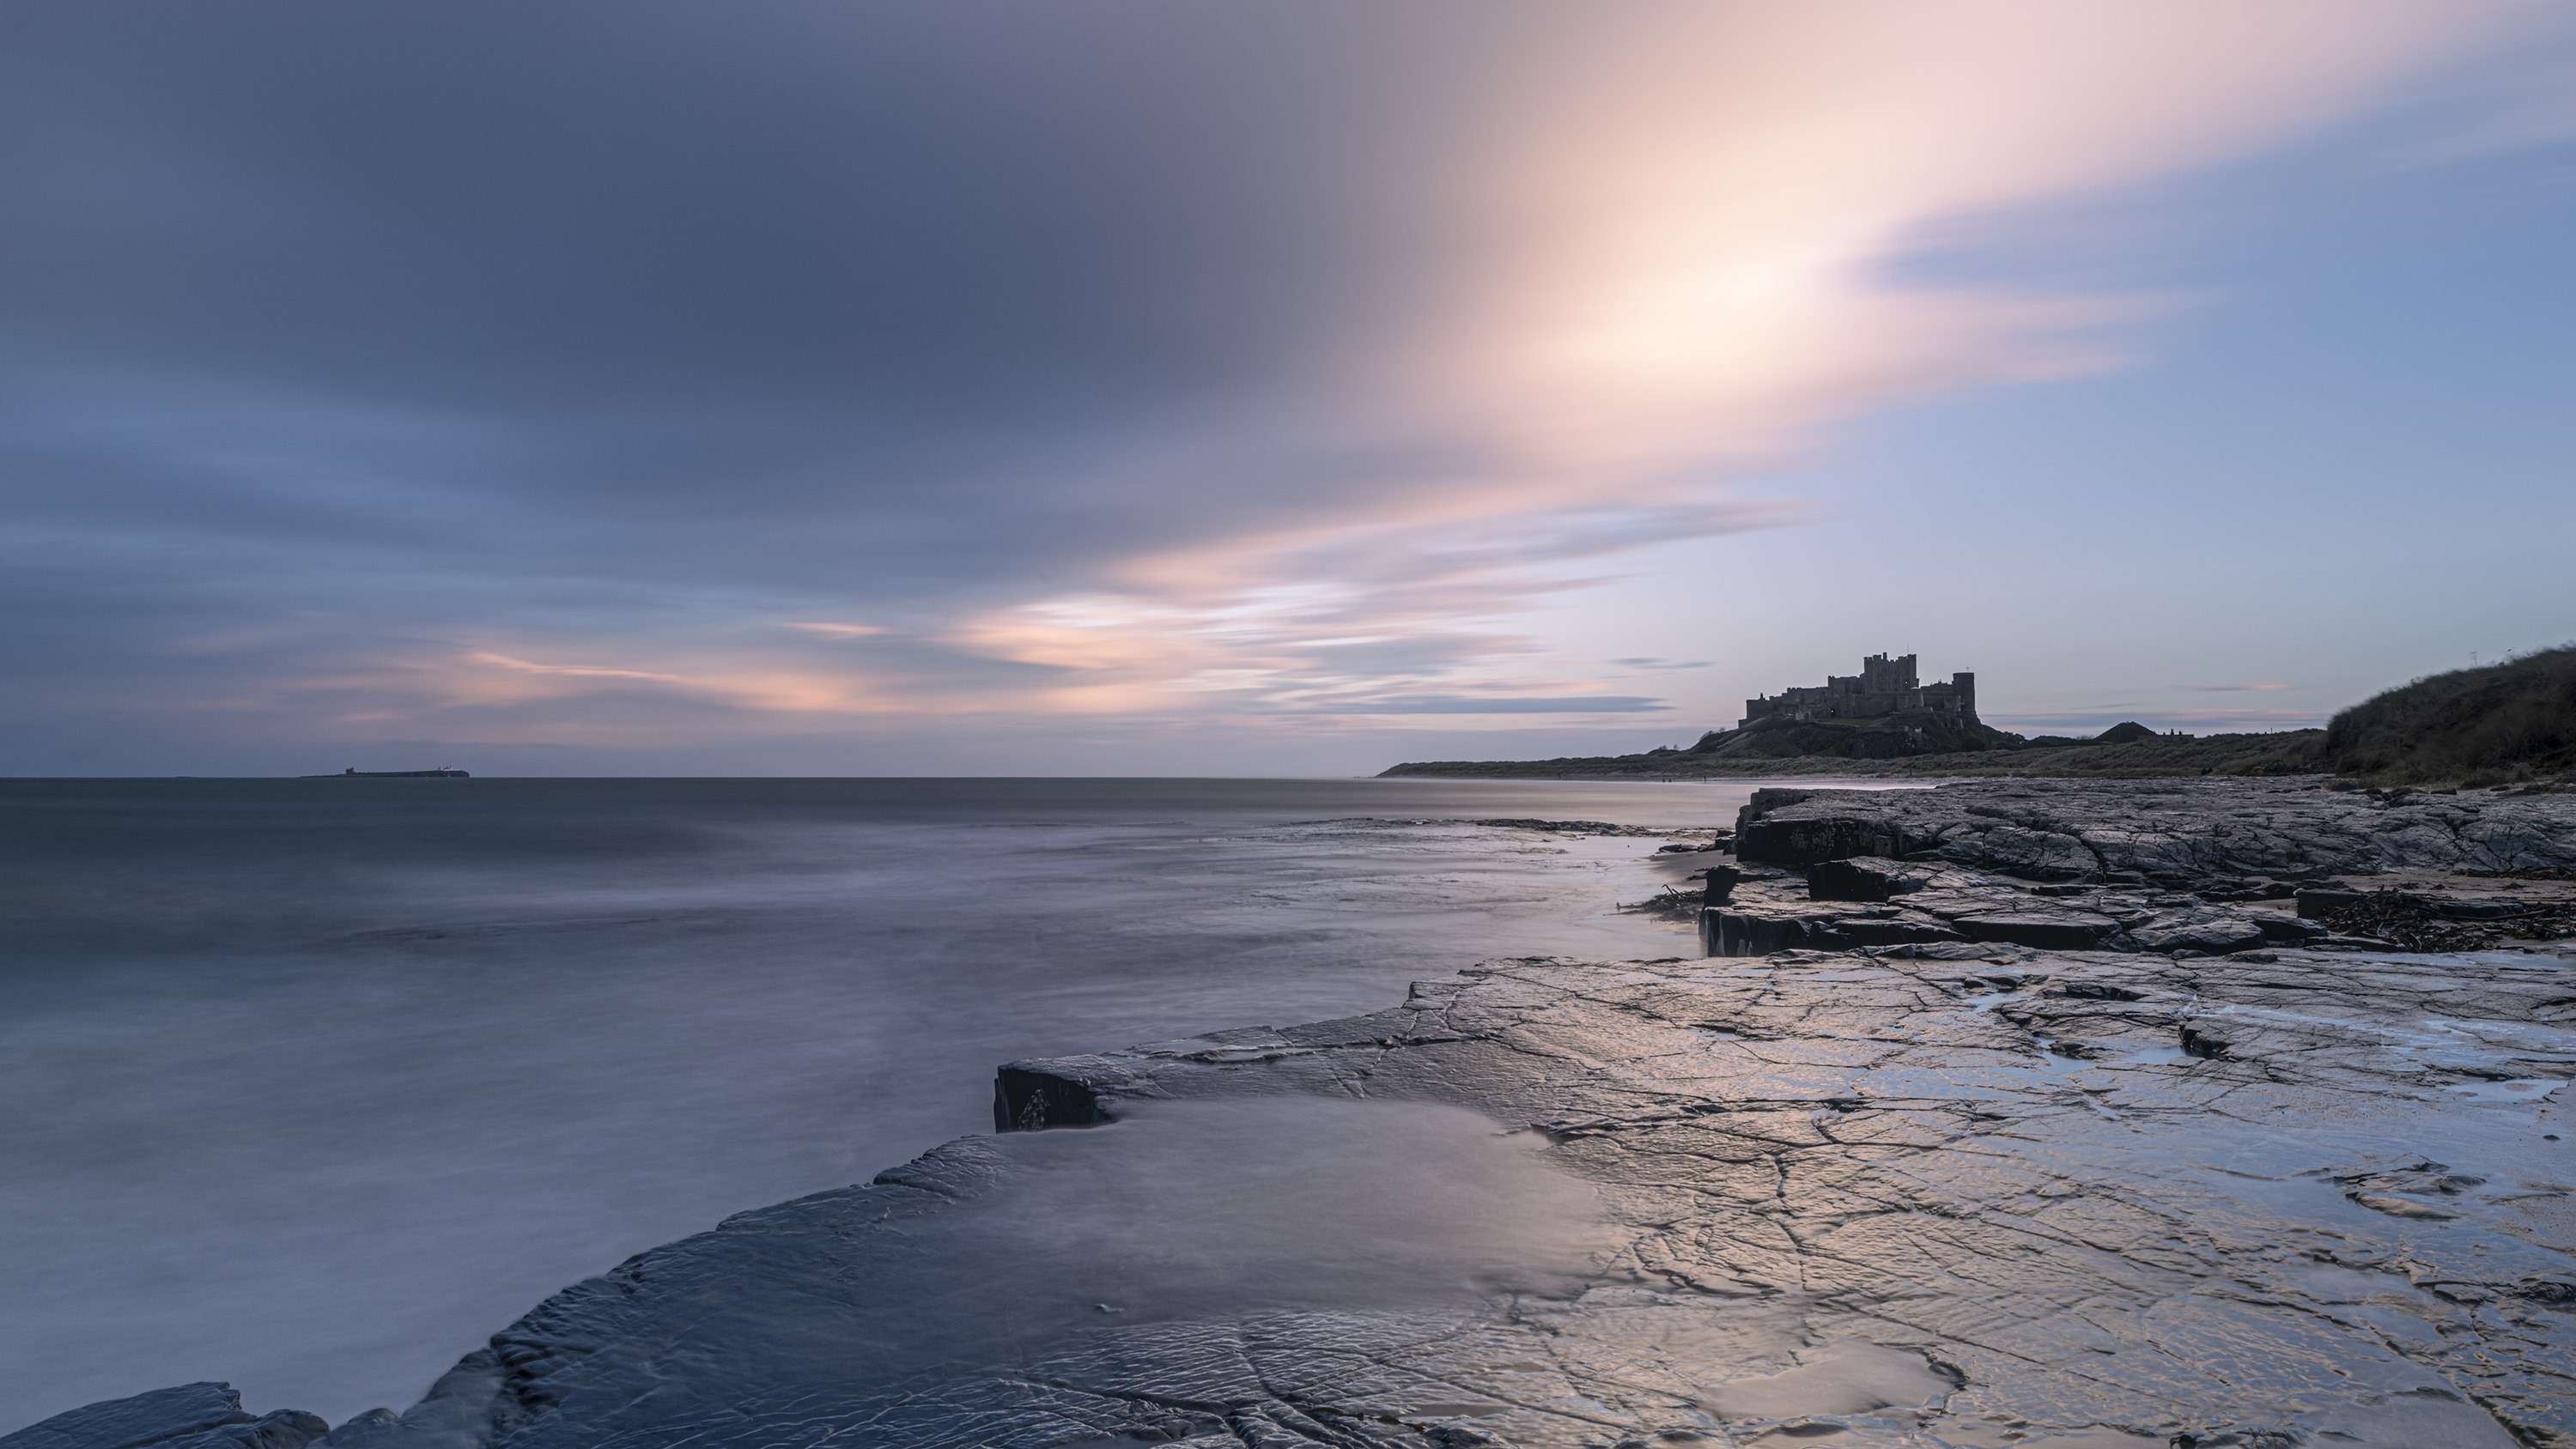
x=1884, y=686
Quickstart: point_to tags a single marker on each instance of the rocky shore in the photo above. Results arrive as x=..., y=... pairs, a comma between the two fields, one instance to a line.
x=2206, y=867
x=2149, y=757
x=2013, y=1113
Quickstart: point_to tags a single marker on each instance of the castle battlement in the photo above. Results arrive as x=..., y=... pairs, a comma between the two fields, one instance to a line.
x=1885, y=685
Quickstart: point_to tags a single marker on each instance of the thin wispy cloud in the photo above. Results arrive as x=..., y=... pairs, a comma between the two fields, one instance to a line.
x=835, y=631
x=488, y=659
x=1503, y=704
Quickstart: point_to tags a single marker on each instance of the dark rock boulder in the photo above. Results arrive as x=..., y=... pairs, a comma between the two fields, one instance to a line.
x=1028, y=1100
x=1766, y=836
x=2041, y=930
x=2210, y=930
x=1748, y=933
x=1864, y=878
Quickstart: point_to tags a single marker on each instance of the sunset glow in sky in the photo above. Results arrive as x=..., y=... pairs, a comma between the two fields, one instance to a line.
x=1145, y=388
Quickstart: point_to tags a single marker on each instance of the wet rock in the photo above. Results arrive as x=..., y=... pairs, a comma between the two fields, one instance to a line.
x=1935, y=904
x=2197, y=1042
x=1770, y=829
x=2549, y=1291
x=2337, y=942
x=1747, y=933
x=1027, y=1100
x=1864, y=878
x=2206, y=929
x=188, y=1416
x=2043, y=930
x=1882, y=1197
x=1762, y=932
x=283, y=1429
x=456, y=1413
x=2446, y=911
x=1722, y=880
x=1928, y=1186
x=2154, y=866
x=2173, y=830
x=2279, y=927
x=1905, y=928
x=2424, y=1191
x=1554, y=827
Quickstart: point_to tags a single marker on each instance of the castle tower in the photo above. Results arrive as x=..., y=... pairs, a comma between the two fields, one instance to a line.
x=1880, y=674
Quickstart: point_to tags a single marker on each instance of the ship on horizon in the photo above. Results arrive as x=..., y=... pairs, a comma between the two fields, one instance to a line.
x=354, y=773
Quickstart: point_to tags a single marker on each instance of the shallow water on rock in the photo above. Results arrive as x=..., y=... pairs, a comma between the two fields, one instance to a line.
x=1224, y=1209
x=311, y=1085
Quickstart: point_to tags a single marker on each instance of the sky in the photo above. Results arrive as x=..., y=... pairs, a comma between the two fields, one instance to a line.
x=1151, y=388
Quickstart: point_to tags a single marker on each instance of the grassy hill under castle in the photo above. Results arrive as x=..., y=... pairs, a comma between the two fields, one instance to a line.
x=2506, y=723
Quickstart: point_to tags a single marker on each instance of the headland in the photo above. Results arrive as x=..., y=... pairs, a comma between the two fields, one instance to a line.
x=2512, y=722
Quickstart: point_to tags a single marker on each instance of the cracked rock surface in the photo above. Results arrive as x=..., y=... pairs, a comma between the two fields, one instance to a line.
x=2080, y=1198
x=2204, y=867
x=1978, y=1195
x=187, y=1416
x=1959, y=1186
x=2177, y=832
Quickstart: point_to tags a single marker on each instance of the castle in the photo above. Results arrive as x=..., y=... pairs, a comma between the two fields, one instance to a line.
x=1884, y=686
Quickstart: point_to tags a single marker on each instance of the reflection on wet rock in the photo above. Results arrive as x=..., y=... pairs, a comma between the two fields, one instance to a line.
x=2222, y=1176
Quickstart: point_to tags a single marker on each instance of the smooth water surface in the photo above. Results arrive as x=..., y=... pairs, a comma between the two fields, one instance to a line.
x=312, y=1085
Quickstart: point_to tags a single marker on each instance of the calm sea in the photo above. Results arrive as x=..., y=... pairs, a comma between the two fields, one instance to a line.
x=312, y=1085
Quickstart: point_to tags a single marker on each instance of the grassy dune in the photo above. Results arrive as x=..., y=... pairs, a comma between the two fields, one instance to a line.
x=2490, y=726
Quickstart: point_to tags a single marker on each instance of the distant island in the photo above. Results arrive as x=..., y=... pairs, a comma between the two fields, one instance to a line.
x=2501, y=724
x=357, y=774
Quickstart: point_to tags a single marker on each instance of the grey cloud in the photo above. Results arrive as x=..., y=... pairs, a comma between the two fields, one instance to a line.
x=1503, y=704
x=354, y=334
x=621, y=288
x=361, y=332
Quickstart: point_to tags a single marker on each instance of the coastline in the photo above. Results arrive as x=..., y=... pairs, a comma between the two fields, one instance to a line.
x=1822, y=1164
x=2156, y=757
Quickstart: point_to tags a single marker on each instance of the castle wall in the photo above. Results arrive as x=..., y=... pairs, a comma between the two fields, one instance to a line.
x=1885, y=686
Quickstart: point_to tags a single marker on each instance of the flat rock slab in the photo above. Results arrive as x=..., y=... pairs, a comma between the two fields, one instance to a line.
x=2164, y=830
x=1973, y=1195
x=1870, y=901
x=187, y=1416
x=2155, y=866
